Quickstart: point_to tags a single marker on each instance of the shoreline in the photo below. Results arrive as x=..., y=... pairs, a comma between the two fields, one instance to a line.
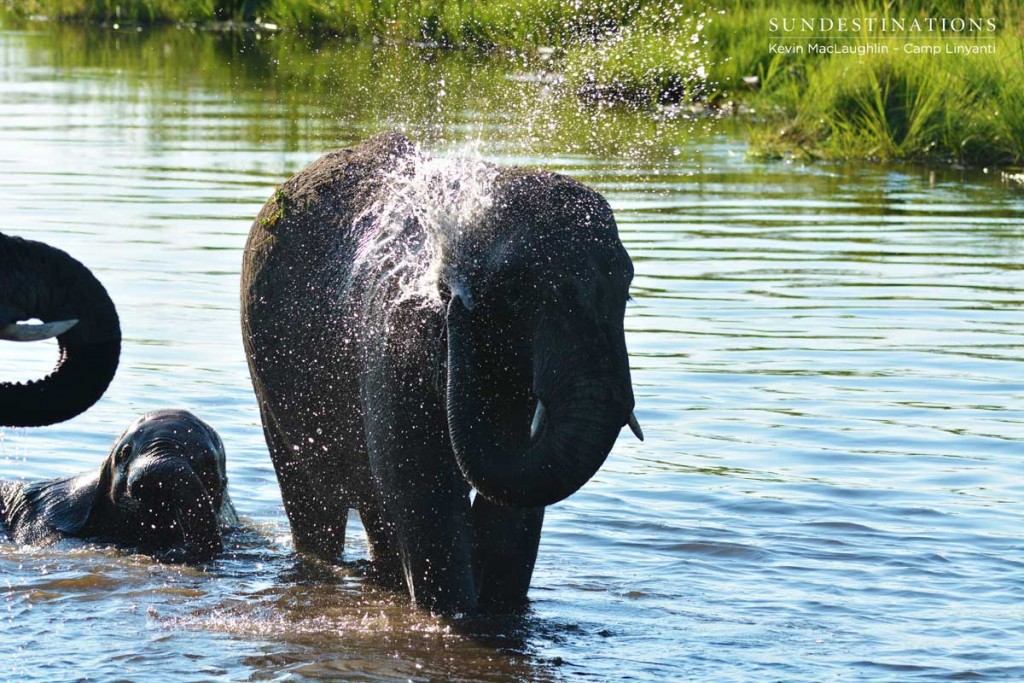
x=927, y=98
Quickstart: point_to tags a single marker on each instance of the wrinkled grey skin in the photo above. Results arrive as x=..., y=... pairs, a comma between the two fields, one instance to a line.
x=162, y=490
x=397, y=408
x=39, y=281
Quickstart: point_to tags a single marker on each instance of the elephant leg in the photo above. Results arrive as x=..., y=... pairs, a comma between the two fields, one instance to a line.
x=317, y=515
x=435, y=546
x=429, y=518
x=384, y=556
x=420, y=489
x=505, y=551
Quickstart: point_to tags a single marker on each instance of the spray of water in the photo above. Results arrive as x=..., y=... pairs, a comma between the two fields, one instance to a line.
x=426, y=206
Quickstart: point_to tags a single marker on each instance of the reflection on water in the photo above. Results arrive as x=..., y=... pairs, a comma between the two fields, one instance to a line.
x=827, y=367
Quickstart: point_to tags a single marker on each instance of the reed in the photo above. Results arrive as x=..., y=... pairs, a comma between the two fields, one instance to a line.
x=646, y=53
x=129, y=11
x=934, y=108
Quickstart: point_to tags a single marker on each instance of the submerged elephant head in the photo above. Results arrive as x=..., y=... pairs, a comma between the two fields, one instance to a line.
x=161, y=490
x=40, y=282
x=538, y=383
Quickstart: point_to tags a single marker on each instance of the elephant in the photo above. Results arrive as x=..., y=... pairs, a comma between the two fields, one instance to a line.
x=418, y=329
x=161, y=490
x=39, y=281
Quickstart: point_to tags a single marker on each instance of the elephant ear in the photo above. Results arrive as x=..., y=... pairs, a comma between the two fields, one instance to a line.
x=62, y=505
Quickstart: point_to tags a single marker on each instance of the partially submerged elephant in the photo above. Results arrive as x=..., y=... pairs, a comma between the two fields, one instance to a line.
x=163, y=487
x=38, y=281
x=162, y=490
x=416, y=327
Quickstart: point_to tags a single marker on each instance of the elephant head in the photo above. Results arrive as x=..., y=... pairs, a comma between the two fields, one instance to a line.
x=161, y=490
x=38, y=281
x=535, y=327
x=166, y=484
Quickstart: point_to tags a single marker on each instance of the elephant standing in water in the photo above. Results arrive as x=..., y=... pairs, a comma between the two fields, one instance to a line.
x=416, y=328
x=161, y=490
x=39, y=281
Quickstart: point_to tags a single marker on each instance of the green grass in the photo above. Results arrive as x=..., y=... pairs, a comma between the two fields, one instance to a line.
x=929, y=108
x=937, y=108
x=129, y=11
x=457, y=23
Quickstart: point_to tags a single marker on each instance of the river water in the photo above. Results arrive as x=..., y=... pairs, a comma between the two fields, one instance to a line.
x=827, y=362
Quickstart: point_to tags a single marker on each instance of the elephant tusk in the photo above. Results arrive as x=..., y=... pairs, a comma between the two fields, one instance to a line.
x=635, y=426
x=538, y=417
x=25, y=332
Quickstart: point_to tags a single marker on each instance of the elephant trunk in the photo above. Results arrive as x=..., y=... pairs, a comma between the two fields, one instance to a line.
x=583, y=404
x=174, y=501
x=38, y=281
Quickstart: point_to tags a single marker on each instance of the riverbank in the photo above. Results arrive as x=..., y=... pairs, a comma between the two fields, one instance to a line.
x=938, y=82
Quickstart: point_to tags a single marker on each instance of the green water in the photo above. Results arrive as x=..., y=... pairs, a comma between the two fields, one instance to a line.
x=827, y=365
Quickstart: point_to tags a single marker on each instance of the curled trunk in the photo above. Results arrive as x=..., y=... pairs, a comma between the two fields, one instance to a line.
x=586, y=402
x=38, y=281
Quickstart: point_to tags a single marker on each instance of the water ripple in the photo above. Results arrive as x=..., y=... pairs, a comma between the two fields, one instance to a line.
x=825, y=358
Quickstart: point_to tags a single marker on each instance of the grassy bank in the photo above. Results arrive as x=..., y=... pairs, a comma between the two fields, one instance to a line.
x=896, y=106
x=903, y=104
x=518, y=24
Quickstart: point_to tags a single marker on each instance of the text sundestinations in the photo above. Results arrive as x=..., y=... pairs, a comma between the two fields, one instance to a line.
x=883, y=25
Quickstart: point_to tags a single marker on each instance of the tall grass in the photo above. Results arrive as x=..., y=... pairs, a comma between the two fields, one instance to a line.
x=968, y=110
x=456, y=23
x=131, y=11
x=936, y=107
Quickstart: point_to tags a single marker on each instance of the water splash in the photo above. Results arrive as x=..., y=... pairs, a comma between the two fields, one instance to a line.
x=426, y=206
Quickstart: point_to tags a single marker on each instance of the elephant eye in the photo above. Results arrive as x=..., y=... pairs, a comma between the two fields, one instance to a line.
x=123, y=453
